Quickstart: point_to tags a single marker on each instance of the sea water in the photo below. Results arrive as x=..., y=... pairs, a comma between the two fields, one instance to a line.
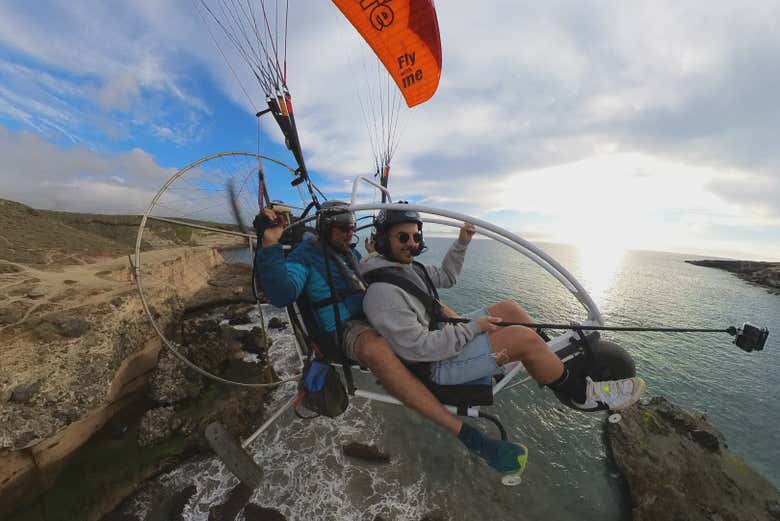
x=569, y=476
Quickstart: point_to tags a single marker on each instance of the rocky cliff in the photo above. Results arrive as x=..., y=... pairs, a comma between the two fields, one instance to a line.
x=76, y=347
x=678, y=467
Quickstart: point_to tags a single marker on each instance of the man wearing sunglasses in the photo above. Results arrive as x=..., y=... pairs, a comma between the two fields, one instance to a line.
x=304, y=271
x=414, y=324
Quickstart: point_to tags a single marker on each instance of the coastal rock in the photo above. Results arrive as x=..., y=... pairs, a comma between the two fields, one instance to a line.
x=12, y=313
x=23, y=393
x=254, y=512
x=60, y=324
x=239, y=319
x=155, y=426
x=679, y=467
x=172, y=382
x=766, y=274
x=276, y=323
x=257, y=341
x=365, y=452
x=236, y=500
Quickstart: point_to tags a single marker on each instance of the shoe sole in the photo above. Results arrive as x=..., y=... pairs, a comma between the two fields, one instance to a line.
x=516, y=478
x=635, y=396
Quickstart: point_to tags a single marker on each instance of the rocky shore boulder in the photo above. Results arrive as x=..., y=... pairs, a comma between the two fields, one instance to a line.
x=678, y=467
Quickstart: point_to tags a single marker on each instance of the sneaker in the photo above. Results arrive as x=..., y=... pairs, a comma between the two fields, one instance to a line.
x=504, y=456
x=614, y=395
x=511, y=459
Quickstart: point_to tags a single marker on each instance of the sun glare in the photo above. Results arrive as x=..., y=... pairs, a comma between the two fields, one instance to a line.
x=598, y=265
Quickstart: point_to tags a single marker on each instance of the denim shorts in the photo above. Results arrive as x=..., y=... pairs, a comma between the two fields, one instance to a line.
x=474, y=362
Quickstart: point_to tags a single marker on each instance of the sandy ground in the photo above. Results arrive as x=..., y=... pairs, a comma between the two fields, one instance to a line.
x=64, y=331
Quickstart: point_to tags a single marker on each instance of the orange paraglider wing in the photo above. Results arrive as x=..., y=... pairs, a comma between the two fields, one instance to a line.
x=404, y=34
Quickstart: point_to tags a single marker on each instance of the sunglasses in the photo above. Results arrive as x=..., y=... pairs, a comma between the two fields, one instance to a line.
x=404, y=237
x=345, y=228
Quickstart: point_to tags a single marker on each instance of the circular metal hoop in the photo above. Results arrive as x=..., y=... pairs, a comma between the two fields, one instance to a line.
x=138, y=260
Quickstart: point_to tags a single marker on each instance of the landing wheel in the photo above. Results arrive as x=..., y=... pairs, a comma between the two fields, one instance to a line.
x=607, y=361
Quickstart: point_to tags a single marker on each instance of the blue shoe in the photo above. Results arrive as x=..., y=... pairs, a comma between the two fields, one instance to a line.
x=504, y=456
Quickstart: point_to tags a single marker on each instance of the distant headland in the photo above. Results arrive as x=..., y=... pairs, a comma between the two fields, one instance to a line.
x=764, y=274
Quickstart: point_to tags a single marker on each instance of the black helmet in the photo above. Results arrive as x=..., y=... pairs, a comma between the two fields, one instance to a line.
x=333, y=212
x=386, y=219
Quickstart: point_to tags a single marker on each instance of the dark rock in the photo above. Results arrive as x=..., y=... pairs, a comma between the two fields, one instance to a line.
x=235, y=501
x=155, y=426
x=706, y=439
x=773, y=507
x=436, y=515
x=257, y=341
x=172, y=382
x=73, y=327
x=171, y=505
x=23, y=393
x=245, y=372
x=254, y=512
x=24, y=439
x=365, y=452
x=60, y=324
x=46, y=332
x=678, y=467
x=239, y=319
x=179, y=501
x=117, y=301
x=11, y=314
x=277, y=323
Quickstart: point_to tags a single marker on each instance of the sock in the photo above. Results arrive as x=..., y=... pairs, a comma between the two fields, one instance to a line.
x=503, y=456
x=571, y=385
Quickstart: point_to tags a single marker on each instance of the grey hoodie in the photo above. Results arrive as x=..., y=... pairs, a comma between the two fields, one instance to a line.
x=402, y=319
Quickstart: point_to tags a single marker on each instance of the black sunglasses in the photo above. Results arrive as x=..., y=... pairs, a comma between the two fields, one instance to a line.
x=345, y=228
x=404, y=237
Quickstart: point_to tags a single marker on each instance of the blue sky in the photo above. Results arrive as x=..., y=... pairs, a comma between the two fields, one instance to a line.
x=647, y=125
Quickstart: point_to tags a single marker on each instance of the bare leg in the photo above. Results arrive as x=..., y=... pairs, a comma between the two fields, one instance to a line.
x=374, y=352
x=509, y=311
x=518, y=343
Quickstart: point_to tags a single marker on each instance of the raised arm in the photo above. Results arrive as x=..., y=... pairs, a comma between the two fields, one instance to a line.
x=282, y=279
x=446, y=275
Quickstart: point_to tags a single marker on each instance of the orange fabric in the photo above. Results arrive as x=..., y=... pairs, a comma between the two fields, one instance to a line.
x=404, y=34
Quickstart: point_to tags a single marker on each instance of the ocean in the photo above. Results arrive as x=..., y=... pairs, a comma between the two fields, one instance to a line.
x=569, y=476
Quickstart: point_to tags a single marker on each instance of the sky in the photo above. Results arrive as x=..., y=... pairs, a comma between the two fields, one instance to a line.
x=644, y=125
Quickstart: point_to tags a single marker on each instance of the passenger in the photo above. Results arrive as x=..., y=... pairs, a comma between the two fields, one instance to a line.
x=304, y=271
x=460, y=353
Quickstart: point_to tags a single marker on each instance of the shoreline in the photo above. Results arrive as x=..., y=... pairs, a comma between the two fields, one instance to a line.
x=760, y=273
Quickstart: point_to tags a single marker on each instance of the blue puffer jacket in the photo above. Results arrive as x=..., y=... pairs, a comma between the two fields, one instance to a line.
x=304, y=271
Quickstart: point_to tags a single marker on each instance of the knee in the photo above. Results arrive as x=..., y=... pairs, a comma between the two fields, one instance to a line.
x=506, y=308
x=527, y=339
x=371, y=348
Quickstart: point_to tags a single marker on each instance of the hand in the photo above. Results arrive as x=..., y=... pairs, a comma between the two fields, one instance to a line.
x=267, y=227
x=467, y=231
x=369, y=245
x=488, y=324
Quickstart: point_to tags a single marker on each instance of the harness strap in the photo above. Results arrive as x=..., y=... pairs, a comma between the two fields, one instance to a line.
x=432, y=305
x=328, y=253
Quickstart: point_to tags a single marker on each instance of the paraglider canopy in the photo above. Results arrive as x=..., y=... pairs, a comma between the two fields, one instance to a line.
x=404, y=34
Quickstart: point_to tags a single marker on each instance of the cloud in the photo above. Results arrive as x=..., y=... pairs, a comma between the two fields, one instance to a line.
x=43, y=175
x=84, y=64
x=537, y=101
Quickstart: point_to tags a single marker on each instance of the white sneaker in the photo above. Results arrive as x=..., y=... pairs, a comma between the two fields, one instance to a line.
x=613, y=394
